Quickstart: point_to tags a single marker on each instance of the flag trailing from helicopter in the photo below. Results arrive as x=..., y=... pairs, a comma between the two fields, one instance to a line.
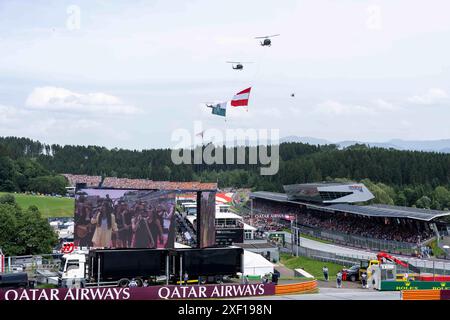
x=219, y=109
x=240, y=99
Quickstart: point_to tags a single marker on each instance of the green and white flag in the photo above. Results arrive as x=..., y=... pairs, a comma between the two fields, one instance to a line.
x=219, y=109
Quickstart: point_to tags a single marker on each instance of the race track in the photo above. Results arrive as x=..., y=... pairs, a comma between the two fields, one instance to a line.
x=336, y=294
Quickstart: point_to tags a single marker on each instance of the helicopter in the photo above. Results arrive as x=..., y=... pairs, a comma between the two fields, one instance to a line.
x=267, y=41
x=237, y=65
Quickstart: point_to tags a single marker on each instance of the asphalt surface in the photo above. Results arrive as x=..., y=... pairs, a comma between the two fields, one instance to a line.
x=336, y=294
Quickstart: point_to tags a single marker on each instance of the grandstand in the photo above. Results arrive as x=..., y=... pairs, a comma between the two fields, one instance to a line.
x=333, y=211
x=90, y=181
x=143, y=184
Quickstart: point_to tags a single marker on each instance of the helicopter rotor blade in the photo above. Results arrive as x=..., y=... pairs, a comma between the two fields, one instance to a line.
x=265, y=37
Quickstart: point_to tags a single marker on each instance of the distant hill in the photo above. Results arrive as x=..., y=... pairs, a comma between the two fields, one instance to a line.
x=423, y=145
x=399, y=144
x=308, y=140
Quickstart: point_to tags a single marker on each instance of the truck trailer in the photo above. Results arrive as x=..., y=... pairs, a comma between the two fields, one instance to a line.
x=209, y=265
x=113, y=267
x=118, y=267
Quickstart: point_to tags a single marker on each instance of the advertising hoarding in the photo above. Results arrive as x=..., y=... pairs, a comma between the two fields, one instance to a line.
x=148, y=293
x=229, y=236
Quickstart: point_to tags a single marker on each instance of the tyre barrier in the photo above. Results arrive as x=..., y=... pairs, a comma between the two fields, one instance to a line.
x=425, y=295
x=299, y=287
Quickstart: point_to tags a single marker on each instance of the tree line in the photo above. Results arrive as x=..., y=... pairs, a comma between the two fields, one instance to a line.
x=410, y=178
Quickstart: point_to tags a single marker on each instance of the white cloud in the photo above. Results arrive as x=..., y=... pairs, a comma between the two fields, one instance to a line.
x=64, y=100
x=383, y=105
x=10, y=116
x=61, y=128
x=432, y=96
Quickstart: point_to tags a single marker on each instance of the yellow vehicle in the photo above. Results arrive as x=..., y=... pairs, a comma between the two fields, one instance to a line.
x=366, y=264
x=355, y=272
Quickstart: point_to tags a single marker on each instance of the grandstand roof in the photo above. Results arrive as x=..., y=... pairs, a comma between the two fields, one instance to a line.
x=227, y=215
x=375, y=210
x=381, y=210
x=322, y=184
x=274, y=196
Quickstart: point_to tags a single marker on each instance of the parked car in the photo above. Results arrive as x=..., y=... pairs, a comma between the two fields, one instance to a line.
x=351, y=274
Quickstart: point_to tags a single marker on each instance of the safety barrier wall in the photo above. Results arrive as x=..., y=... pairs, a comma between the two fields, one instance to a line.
x=445, y=294
x=426, y=295
x=413, y=285
x=299, y=287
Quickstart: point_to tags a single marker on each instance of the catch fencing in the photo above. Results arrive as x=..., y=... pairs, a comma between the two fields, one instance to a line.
x=394, y=247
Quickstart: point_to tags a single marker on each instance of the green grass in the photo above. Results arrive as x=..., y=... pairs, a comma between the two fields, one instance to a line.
x=48, y=206
x=46, y=286
x=314, y=267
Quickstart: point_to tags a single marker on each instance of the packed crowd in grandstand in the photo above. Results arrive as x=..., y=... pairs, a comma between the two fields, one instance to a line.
x=265, y=223
x=125, y=183
x=185, y=233
x=90, y=181
x=378, y=228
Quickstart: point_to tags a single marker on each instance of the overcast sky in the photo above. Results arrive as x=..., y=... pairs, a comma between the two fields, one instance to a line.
x=128, y=73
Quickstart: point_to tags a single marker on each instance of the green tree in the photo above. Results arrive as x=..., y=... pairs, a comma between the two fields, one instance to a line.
x=442, y=196
x=35, y=233
x=423, y=202
x=9, y=229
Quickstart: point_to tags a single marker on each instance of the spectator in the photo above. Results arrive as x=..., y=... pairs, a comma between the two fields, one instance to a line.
x=325, y=272
x=275, y=277
x=364, y=280
x=339, y=280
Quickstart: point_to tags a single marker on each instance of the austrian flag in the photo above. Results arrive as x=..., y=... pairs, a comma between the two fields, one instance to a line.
x=241, y=98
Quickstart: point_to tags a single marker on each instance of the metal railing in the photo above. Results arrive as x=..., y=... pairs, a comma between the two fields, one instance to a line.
x=395, y=247
x=425, y=267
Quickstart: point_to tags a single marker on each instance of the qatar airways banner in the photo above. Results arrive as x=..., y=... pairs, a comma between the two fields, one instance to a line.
x=148, y=293
x=290, y=217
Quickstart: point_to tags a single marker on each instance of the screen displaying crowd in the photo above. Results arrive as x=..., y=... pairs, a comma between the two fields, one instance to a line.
x=379, y=228
x=111, y=218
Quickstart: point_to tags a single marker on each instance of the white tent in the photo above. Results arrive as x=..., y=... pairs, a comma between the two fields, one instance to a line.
x=256, y=265
x=180, y=245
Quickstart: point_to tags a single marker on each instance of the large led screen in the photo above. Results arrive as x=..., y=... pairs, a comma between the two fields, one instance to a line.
x=113, y=218
x=207, y=219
